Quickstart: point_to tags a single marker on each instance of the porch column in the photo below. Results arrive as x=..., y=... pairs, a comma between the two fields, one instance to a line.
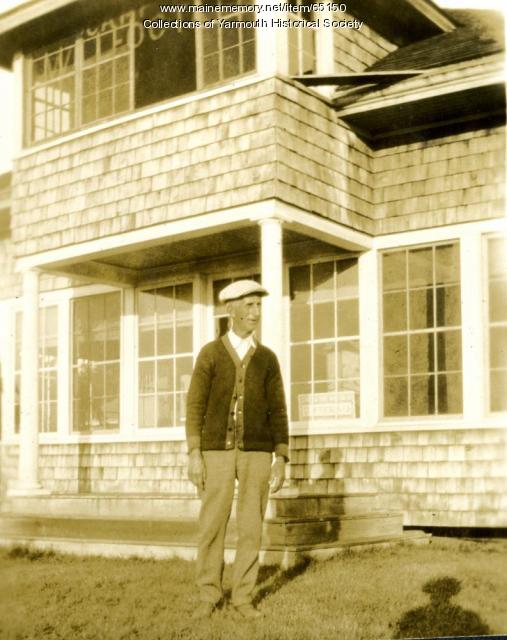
x=272, y=276
x=29, y=400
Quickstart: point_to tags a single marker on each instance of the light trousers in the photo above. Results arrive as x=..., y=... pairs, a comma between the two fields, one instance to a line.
x=252, y=470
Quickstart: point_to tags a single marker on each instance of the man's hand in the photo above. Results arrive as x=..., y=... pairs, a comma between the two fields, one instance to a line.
x=196, y=469
x=277, y=474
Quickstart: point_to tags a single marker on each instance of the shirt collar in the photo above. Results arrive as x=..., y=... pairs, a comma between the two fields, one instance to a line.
x=236, y=340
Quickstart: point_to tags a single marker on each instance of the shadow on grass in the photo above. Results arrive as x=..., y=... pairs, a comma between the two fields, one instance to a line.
x=440, y=617
x=271, y=578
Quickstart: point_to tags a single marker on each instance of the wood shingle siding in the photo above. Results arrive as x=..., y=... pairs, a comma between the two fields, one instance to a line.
x=195, y=158
x=445, y=181
x=437, y=478
x=355, y=50
x=272, y=139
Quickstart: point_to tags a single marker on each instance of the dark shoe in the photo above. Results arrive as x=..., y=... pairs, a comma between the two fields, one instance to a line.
x=203, y=611
x=247, y=612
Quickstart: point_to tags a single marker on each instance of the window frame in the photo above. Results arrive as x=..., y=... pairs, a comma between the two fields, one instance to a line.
x=299, y=34
x=77, y=74
x=175, y=282
x=426, y=331
x=72, y=427
x=323, y=425
x=488, y=324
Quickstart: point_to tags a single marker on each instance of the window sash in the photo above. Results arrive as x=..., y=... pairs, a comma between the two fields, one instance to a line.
x=95, y=362
x=337, y=352
x=424, y=383
x=164, y=371
x=302, y=42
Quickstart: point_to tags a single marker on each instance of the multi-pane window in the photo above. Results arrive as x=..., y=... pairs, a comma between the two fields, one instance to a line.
x=96, y=362
x=302, y=53
x=227, y=53
x=106, y=73
x=497, y=315
x=48, y=364
x=220, y=315
x=52, y=91
x=121, y=64
x=422, y=331
x=165, y=354
x=324, y=338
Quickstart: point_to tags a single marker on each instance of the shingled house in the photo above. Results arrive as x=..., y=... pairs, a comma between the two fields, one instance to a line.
x=357, y=171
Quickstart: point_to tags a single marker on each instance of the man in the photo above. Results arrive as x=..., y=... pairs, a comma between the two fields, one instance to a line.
x=236, y=419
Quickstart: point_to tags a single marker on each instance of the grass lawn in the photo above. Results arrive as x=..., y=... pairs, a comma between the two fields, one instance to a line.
x=450, y=587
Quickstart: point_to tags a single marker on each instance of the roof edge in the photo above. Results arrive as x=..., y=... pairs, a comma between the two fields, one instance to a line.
x=438, y=16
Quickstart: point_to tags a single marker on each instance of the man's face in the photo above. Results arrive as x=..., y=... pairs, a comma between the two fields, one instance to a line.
x=245, y=314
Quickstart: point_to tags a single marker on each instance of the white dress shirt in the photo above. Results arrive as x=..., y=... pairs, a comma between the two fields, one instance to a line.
x=241, y=345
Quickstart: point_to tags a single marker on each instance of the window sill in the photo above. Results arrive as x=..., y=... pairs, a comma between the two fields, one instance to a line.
x=392, y=424
x=177, y=434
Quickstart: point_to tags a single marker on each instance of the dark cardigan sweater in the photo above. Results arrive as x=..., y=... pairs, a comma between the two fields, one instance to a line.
x=265, y=423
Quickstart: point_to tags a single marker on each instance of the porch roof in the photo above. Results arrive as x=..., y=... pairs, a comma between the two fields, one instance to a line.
x=431, y=103
x=205, y=243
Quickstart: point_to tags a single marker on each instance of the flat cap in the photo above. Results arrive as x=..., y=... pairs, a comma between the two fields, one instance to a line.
x=240, y=289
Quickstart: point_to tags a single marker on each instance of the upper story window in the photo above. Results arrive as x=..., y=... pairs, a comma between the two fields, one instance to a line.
x=127, y=62
x=302, y=48
x=226, y=53
x=422, y=331
x=324, y=338
x=497, y=316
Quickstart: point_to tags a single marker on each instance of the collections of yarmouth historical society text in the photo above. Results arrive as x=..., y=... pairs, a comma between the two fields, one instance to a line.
x=311, y=21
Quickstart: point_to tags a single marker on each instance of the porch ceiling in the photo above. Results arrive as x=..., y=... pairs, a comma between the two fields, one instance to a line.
x=234, y=249
x=234, y=242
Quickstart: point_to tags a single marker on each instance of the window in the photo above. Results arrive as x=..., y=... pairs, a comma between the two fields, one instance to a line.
x=302, y=56
x=48, y=363
x=96, y=362
x=220, y=316
x=422, y=331
x=106, y=73
x=497, y=316
x=165, y=354
x=324, y=338
x=227, y=53
x=121, y=64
